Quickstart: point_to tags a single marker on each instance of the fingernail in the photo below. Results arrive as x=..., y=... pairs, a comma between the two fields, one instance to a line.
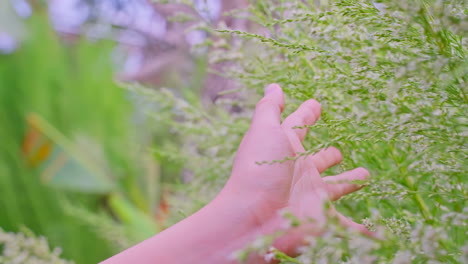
x=271, y=88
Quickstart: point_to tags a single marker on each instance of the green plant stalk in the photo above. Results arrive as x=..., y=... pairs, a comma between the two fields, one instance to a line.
x=419, y=200
x=423, y=208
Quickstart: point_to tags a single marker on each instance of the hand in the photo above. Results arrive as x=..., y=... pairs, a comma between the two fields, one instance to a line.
x=261, y=191
x=249, y=204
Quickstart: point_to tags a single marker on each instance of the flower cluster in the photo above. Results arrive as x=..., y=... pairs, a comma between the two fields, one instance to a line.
x=19, y=248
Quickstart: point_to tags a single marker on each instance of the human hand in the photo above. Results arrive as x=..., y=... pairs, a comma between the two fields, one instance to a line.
x=250, y=202
x=261, y=191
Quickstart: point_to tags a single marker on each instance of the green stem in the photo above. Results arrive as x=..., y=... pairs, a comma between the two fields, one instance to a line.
x=419, y=200
x=423, y=208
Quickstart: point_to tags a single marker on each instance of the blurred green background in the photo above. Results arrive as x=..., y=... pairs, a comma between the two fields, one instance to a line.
x=75, y=164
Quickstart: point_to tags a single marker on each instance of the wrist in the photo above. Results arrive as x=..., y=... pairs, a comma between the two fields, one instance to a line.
x=242, y=209
x=232, y=221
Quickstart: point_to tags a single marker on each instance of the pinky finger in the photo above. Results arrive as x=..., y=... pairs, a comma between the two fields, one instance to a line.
x=342, y=184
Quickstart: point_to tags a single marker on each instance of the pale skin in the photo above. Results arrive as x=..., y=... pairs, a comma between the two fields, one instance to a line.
x=249, y=204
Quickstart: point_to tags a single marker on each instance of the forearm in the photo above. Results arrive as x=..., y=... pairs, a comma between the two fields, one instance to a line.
x=210, y=235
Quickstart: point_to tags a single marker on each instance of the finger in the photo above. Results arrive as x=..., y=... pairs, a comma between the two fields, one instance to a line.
x=341, y=184
x=306, y=115
x=268, y=109
x=344, y=221
x=326, y=158
x=306, y=177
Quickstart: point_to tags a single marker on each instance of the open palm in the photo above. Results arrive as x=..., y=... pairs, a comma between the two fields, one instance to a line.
x=294, y=185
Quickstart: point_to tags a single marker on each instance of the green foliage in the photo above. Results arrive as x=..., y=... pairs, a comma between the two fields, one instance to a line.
x=391, y=78
x=392, y=81
x=65, y=92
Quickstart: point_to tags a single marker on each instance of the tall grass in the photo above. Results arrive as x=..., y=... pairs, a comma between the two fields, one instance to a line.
x=392, y=80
